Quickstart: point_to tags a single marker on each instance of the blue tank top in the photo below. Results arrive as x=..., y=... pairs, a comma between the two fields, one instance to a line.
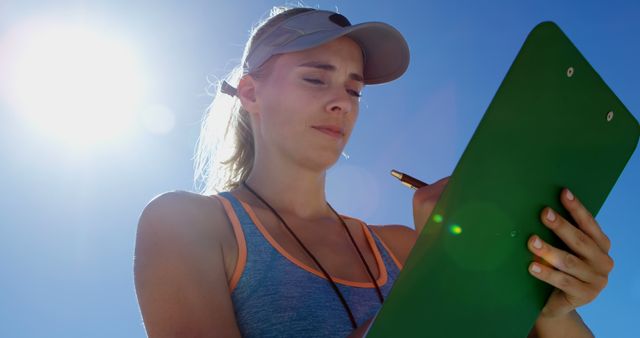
x=275, y=295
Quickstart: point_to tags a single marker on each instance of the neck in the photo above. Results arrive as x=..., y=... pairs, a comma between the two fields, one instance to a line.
x=296, y=191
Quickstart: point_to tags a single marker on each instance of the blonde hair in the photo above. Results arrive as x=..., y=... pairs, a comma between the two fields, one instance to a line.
x=224, y=153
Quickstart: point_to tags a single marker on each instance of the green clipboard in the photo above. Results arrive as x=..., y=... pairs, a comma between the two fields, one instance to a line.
x=553, y=123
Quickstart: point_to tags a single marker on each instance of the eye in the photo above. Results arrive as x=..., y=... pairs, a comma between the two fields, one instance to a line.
x=314, y=81
x=351, y=92
x=354, y=93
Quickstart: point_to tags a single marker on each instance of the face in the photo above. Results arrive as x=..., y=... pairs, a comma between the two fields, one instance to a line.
x=307, y=106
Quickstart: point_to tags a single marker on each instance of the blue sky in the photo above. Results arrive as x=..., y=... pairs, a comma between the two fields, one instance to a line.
x=69, y=210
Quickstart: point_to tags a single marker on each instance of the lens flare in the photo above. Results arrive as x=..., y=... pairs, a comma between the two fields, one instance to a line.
x=455, y=229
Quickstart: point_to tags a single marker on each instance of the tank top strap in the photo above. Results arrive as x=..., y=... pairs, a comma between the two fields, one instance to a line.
x=239, y=220
x=273, y=294
x=391, y=263
x=238, y=210
x=384, y=248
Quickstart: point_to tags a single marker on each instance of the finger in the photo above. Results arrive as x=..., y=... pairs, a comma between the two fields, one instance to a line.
x=585, y=220
x=577, y=292
x=425, y=199
x=578, y=241
x=444, y=180
x=430, y=193
x=564, y=261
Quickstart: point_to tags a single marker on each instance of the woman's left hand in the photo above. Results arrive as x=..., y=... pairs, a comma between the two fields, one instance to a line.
x=578, y=277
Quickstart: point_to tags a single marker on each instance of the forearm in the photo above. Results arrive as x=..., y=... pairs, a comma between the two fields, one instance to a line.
x=569, y=326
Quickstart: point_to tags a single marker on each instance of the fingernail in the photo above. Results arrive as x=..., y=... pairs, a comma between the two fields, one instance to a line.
x=537, y=243
x=569, y=195
x=551, y=216
x=535, y=268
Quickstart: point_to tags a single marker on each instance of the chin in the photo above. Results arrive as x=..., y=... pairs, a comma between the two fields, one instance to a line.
x=321, y=162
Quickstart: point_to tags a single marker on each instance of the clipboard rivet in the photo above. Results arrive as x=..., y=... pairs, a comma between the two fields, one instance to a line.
x=610, y=116
x=570, y=72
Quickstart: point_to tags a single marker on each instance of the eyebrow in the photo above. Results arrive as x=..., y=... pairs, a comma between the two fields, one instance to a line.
x=330, y=67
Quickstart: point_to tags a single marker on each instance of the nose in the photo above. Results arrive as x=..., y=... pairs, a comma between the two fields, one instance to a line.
x=340, y=102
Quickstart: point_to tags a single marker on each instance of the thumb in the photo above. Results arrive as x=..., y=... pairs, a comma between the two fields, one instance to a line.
x=430, y=192
x=425, y=199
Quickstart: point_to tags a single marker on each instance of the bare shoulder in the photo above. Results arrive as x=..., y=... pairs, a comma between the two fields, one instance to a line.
x=179, y=266
x=184, y=226
x=180, y=209
x=182, y=218
x=399, y=238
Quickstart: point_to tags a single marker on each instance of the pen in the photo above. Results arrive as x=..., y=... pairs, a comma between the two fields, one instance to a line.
x=407, y=180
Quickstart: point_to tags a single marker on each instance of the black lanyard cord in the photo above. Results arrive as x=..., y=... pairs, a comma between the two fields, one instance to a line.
x=380, y=296
x=333, y=284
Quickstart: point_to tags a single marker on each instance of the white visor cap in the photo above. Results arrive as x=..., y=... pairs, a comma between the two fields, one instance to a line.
x=385, y=52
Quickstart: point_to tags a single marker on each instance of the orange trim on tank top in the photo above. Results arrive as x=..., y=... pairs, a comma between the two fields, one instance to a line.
x=242, y=246
x=395, y=260
x=382, y=271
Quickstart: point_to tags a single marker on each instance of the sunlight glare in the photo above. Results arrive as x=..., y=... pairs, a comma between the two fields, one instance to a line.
x=74, y=83
x=158, y=119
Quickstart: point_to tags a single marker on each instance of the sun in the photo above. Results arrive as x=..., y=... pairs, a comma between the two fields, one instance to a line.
x=74, y=83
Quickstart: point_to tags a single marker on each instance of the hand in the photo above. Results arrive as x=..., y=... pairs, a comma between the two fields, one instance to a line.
x=424, y=200
x=579, y=277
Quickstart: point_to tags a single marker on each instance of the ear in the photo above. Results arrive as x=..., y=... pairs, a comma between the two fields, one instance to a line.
x=247, y=94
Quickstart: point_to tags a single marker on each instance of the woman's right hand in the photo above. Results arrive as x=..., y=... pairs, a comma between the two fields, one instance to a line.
x=424, y=200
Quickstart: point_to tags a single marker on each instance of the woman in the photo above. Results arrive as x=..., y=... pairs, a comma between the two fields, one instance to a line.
x=268, y=256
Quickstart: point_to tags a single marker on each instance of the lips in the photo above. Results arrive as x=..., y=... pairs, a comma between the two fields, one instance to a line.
x=330, y=130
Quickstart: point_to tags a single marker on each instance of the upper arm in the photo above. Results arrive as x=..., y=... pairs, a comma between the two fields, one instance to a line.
x=179, y=269
x=399, y=239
